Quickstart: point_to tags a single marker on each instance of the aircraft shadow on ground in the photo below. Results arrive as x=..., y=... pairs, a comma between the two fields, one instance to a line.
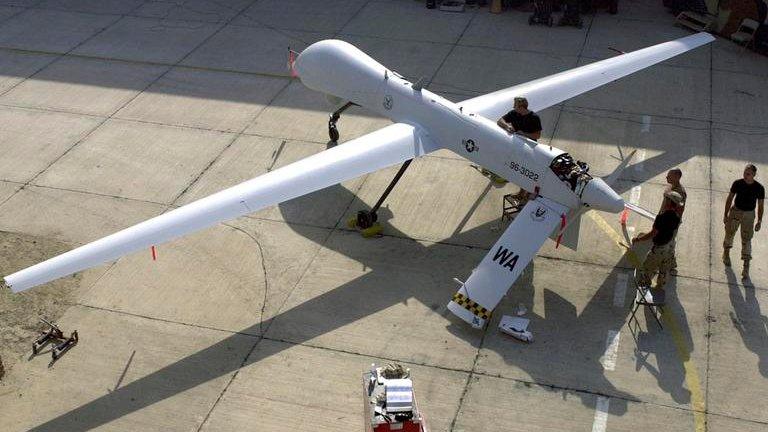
x=341, y=306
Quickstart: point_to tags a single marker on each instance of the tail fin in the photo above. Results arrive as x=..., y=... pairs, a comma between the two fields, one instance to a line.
x=569, y=236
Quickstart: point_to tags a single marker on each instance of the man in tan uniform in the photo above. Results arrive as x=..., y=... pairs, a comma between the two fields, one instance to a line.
x=674, y=185
x=740, y=214
x=659, y=258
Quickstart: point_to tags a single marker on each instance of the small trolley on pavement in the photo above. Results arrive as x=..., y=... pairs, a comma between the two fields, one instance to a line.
x=389, y=401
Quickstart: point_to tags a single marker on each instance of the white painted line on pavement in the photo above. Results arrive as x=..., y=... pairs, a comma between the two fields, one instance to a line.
x=611, y=350
x=646, y=127
x=601, y=414
x=620, y=291
x=634, y=195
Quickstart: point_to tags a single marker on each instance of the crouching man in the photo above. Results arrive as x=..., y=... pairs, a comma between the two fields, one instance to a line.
x=662, y=255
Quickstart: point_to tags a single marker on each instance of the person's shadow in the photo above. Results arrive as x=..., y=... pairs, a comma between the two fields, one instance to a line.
x=748, y=320
x=668, y=369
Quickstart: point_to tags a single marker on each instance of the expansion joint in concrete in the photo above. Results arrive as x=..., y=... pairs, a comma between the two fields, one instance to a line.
x=468, y=383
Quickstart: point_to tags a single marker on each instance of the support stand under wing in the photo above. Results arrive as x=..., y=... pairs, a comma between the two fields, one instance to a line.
x=507, y=259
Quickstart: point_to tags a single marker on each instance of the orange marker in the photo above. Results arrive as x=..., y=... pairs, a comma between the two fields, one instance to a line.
x=291, y=60
x=562, y=227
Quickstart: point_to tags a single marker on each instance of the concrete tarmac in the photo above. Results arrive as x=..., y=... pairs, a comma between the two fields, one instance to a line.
x=112, y=112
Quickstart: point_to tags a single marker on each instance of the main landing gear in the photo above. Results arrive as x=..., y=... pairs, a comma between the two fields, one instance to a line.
x=333, y=131
x=365, y=221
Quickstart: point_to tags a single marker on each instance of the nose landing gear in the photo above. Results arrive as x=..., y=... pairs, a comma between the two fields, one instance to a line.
x=333, y=131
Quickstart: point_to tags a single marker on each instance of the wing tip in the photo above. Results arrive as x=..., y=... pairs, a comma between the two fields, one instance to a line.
x=10, y=283
x=5, y=286
x=705, y=37
x=465, y=315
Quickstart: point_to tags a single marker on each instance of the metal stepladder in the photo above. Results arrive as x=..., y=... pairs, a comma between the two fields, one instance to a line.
x=511, y=206
x=640, y=300
x=513, y=203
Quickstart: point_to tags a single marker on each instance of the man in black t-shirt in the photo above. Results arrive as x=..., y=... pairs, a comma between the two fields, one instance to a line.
x=673, y=180
x=740, y=214
x=661, y=256
x=521, y=120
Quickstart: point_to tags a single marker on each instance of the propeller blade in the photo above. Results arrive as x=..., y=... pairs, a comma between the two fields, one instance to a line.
x=612, y=177
x=641, y=211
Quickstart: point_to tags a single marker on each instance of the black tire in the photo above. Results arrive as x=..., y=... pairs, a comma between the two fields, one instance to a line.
x=333, y=133
x=530, y=20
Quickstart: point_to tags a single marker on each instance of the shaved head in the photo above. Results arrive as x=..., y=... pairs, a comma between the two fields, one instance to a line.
x=674, y=175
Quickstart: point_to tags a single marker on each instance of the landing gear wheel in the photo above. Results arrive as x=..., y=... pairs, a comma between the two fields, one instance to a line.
x=333, y=133
x=365, y=222
x=530, y=20
x=365, y=219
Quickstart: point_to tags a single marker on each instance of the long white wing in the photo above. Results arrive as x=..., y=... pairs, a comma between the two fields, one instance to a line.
x=488, y=283
x=548, y=91
x=388, y=146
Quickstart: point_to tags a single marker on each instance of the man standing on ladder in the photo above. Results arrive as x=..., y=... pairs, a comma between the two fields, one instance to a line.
x=521, y=120
x=525, y=122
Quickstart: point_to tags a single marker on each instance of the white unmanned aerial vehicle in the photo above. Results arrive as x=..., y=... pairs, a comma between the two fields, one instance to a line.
x=424, y=122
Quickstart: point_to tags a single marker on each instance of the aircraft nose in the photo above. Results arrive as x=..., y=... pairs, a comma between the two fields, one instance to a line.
x=600, y=196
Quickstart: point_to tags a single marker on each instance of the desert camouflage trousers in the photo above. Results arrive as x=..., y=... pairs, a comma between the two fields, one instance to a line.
x=658, y=263
x=744, y=221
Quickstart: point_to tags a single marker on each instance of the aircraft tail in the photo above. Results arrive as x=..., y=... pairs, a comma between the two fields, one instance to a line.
x=569, y=237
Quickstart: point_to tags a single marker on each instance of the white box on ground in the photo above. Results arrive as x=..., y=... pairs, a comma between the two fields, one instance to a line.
x=516, y=327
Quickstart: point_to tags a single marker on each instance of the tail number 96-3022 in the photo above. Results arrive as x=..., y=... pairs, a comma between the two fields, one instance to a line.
x=523, y=170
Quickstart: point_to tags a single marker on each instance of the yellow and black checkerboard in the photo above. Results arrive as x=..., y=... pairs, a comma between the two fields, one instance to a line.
x=472, y=306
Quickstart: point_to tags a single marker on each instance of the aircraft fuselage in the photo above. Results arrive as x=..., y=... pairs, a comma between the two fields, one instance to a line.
x=340, y=69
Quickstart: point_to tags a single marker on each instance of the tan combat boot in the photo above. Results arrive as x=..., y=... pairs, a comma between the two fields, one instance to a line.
x=726, y=257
